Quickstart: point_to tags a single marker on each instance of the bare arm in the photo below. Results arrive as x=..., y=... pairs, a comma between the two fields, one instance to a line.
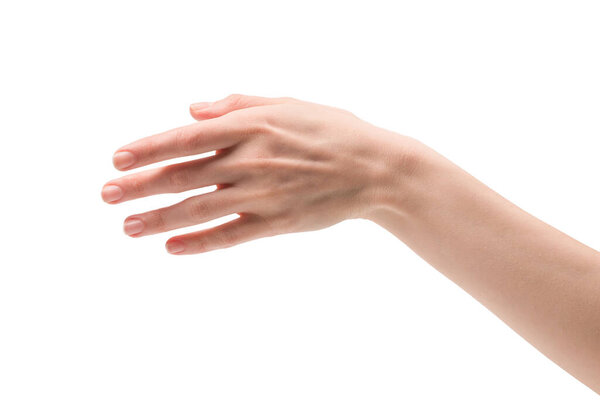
x=286, y=165
x=542, y=283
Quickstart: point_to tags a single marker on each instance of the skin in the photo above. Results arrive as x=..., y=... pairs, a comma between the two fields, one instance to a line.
x=285, y=165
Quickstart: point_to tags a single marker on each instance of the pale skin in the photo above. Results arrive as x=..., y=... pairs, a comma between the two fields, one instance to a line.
x=285, y=165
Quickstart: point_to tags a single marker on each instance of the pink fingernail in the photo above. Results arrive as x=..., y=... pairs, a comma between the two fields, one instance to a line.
x=199, y=106
x=133, y=226
x=123, y=159
x=175, y=247
x=111, y=193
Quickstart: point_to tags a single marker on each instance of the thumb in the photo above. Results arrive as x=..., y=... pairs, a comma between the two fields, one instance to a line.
x=207, y=110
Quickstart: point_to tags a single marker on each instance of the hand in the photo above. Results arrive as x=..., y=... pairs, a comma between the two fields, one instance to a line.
x=282, y=164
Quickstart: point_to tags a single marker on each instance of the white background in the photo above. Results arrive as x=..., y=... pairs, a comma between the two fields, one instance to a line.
x=509, y=90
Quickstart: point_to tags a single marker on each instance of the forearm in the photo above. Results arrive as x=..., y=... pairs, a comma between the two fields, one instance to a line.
x=542, y=283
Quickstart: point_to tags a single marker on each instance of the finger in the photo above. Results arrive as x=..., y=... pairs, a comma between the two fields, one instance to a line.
x=207, y=110
x=197, y=138
x=192, y=211
x=174, y=178
x=243, y=229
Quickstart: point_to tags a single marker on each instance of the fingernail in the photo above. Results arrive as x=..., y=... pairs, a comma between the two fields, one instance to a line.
x=123, y=159
x=133, y=226
x=200, y=106
x=111, y=193
x=175, y=247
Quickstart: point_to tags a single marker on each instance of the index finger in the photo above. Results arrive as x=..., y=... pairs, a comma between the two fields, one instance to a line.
x=196, y=138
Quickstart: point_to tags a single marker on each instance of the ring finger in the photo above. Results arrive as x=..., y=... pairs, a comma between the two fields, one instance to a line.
x=192, y=211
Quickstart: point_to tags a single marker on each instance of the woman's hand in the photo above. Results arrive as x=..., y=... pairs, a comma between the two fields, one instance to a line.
x=282, y=164
x=285, y=166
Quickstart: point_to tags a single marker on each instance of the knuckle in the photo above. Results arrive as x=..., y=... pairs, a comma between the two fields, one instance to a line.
x=180, y=139
x=234, y=99
x=201, y=245
x=199, y=210
x=157, y=220
x=269, y=121
x=149, y=149
x=288, y=99
x=225, y=238
x=184, y=140
x=252, y=120
x=243, y=122
x=136, y=186
x=178, y=178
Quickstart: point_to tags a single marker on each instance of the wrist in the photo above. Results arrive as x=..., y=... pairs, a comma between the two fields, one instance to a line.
x=400, y=173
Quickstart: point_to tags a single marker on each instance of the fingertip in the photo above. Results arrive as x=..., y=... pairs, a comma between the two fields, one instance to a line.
x=197, y=108
x=123, y=159
x=174, y=246
x=111, y=193
x=133, y=226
